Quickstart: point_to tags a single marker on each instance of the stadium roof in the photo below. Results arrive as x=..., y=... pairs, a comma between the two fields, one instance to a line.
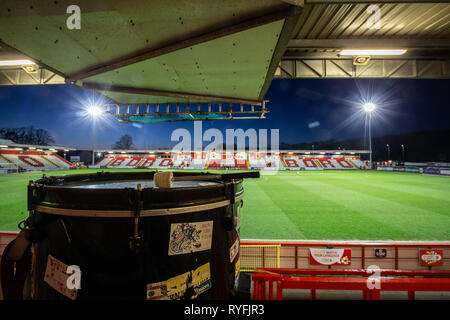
x=328, y=26
x=5, y=143
x=161, y=51
x=312, y=152
x=167, y=51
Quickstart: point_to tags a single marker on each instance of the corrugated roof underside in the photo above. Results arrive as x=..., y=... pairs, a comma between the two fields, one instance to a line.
x=343, y=21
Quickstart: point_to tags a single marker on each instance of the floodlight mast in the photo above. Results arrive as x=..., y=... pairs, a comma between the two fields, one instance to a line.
x=369, y=108
x=94, y=112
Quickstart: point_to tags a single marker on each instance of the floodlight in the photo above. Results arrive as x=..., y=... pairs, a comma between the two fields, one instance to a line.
x=370, y=52
x=369, y=107
x=94, y=111
x=4, y=63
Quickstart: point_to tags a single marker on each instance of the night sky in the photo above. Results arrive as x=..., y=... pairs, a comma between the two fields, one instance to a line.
x=304, y=110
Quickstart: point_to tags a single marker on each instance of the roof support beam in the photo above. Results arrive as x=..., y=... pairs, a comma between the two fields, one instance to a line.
x=286, y=33
x=375, y=68
x=186, y=43
x=369, y=43
x=172, y=94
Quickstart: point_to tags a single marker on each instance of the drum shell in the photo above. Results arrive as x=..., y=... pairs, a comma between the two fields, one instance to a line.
x=100, y=246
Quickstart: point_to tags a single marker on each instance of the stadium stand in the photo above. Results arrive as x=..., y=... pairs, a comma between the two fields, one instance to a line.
x=134, y=161
x=34, y=160
x=234, y=161
x=322, y=163
x=19, y=159
x=263, y=161
x=198, y=161
x=182, y=161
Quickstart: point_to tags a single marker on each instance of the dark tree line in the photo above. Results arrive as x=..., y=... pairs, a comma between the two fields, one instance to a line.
x=27, y=135
x=421, y=146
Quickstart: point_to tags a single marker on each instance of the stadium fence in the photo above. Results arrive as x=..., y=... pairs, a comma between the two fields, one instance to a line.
x=296, y=254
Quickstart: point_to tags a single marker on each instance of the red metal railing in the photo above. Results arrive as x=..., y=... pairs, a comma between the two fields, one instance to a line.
x=346, y=279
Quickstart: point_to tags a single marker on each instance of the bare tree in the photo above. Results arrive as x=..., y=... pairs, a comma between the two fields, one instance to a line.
x=27, y=135
x=125, y=143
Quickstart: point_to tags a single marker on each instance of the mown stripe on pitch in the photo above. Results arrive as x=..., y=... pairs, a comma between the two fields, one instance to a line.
x=262, y=218
x=417, y=223
x=320, y=217
x=399, y=195
x=440, y=191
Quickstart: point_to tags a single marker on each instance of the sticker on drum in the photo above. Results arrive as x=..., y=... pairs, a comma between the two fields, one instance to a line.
x=237, y=267
x=175, y=288
x=190, y=237
x=57, y=277
x=234, y=250
x=157, y=291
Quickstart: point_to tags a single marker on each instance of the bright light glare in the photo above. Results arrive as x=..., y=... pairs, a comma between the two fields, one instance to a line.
x=369, y=107
x=16, y=62
x=376, y=52
x=94, y=111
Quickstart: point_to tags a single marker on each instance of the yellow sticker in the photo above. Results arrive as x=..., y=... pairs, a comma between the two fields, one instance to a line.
x=174, y=288
x=201, y=279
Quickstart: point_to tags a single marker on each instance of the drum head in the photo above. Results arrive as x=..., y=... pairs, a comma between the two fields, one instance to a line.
x=134, y=184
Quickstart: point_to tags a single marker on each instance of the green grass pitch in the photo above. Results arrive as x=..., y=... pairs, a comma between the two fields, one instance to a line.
x=325, y=205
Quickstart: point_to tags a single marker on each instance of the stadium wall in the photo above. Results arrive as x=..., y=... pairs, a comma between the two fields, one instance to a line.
x=427, y=170
x=296, y=254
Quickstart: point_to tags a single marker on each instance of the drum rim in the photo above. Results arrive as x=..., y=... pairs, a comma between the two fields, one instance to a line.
x=143, y=213
x=130, y=213
x=55, y=181
x=48, y=195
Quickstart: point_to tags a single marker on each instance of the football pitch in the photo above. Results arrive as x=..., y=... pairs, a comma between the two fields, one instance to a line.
x=325, y=205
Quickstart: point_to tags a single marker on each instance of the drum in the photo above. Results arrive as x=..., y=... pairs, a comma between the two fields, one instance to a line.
x=117, y=236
